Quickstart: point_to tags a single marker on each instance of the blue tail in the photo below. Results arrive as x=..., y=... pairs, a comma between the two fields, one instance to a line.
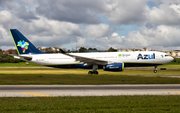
x=23, y=45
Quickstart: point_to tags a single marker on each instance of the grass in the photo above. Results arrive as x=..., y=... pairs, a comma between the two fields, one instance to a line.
x=20, y=64
x=15, y=74
x=105, y=104
x=113, y=104
x=78, y=76
x=56, y=71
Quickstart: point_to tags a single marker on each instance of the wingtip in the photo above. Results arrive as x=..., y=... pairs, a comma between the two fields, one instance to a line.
x=62, y=51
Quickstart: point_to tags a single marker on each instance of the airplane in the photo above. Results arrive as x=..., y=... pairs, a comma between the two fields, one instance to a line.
x=109, y=61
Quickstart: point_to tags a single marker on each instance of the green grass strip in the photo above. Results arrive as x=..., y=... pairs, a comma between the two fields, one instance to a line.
x=105, y=104
x=81, y=79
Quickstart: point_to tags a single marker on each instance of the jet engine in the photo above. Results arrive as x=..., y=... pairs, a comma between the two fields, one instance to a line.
x=114, y=67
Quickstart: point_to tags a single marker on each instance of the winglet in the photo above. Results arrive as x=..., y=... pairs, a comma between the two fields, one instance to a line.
x=62, y=51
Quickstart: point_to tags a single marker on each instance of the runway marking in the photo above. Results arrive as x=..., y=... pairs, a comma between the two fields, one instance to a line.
x=35, y=94
x=173, y=91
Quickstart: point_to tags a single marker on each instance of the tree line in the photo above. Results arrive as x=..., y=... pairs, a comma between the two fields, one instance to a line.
x=4, y=58
x=83, y=49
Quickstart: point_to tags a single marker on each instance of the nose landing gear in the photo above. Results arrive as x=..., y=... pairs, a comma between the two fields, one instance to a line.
x=155, y=69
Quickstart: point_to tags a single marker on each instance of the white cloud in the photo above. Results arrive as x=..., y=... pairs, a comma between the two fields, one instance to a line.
x=98, y=30
x=81, y=42
x=176, y=8
x=164, y=14
x=42, y=32
x=101, y=42
x=114, y=34
x=5, y=38
x=125, y=11
x=5, y=16
x=116, y=39
x=54, y=27
x=78, y=23
x=161, y=36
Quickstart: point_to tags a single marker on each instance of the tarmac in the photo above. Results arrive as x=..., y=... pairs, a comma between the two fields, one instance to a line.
x=87, y=90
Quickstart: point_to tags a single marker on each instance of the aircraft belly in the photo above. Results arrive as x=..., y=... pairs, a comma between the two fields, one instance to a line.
x=139, y=64
x=142, y=63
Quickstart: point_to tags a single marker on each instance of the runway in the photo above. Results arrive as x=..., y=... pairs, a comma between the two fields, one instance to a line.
x=86, y=90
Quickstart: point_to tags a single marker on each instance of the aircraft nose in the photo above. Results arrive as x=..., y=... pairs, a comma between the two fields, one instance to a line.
x=171, y=58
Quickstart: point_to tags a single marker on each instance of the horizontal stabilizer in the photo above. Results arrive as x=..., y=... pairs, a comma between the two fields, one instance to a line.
x=24, y=58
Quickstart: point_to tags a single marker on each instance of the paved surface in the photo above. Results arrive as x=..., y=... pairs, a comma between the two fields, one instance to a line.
x=173, y=76
x=86, y=90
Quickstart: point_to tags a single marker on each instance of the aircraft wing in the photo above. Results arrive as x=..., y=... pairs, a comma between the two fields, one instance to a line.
x=87, y=60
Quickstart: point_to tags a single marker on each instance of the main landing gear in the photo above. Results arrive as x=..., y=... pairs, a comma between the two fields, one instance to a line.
x=95, y=67
x=155, y=69
x=93, y=72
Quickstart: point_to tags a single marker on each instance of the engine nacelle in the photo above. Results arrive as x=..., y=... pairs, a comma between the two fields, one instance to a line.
x=114, y=67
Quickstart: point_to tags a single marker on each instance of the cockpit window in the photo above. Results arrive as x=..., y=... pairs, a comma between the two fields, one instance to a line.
x=166, y=55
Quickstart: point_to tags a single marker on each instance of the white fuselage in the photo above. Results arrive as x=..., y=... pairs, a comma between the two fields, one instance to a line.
x=143, y=57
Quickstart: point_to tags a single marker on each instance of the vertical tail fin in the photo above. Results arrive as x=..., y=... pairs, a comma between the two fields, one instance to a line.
x=23, y=45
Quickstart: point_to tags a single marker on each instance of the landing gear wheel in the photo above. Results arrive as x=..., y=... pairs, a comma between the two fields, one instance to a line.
x=155, y=69
x=96, y=72
x=90, y=72
x=95, y=67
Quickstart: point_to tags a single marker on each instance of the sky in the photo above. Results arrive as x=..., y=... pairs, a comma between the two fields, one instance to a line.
x=97, y=24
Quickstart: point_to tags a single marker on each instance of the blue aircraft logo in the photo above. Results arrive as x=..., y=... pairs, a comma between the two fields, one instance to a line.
x=146, y=56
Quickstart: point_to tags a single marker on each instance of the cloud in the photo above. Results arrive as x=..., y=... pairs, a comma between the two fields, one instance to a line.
x=138, y=12
x=80, y=42
x=24, y=14
x=46, y=32
x=164, y=14
x=5, y=39
x=42, y=32
x=98, y=30
x=95, y=23
x=164, y=36
x=161, y=37
x=79, y=11
x=46, y=26
x=101, y=42
x=5, y=16
x=125, y=12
